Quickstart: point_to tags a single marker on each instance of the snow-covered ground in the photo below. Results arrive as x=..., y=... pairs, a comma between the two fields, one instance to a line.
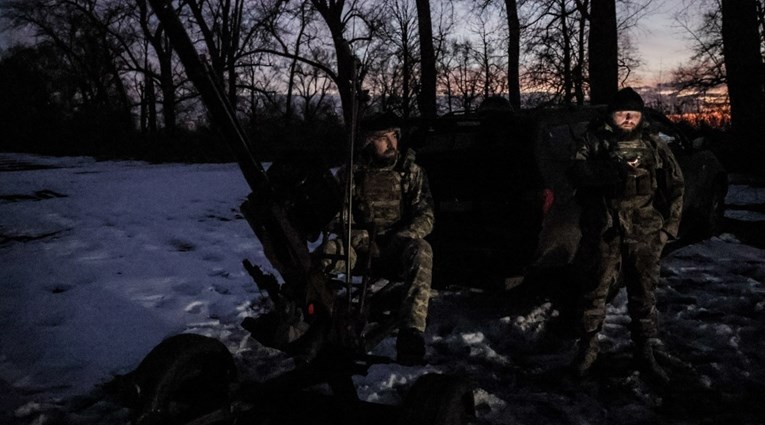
x=100, y=261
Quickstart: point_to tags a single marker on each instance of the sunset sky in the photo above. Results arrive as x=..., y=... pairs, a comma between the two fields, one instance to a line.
x=662, y=44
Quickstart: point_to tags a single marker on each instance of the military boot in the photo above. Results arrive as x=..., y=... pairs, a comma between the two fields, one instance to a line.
x=410, y=347
x=647, y=364
x=588, y=349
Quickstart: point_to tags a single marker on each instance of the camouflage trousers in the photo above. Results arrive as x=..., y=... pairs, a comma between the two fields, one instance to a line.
x=396, y=258
x=600, y=262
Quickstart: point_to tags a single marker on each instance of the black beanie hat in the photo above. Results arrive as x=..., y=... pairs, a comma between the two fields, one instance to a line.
x=378, y=123
x=381, y=121
x=626, y=99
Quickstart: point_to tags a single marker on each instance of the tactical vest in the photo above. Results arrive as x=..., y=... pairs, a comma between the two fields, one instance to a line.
x=634, y=208
x=379, y=195
x=641, y=180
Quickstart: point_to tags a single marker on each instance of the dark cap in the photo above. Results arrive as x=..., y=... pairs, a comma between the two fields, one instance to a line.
x=381, y=121
x=378, y=124
x=626, y=99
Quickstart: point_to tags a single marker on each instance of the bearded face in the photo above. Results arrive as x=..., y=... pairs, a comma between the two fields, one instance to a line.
x=627, y=121
x=384, y=144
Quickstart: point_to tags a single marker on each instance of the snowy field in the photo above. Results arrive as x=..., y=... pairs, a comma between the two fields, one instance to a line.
x=100, y=261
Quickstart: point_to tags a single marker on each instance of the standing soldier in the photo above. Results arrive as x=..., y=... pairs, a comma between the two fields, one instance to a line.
x=391, y=201
x=630, y=188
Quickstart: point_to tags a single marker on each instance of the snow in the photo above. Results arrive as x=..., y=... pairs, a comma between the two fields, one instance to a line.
x=101, y=260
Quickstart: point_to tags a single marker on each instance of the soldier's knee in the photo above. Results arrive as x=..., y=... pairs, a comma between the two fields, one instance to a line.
x=424, y=247
x=420, y=250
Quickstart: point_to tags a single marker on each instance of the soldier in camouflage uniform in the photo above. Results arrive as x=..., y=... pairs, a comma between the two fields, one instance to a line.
x=630, y=188
x=391, y=198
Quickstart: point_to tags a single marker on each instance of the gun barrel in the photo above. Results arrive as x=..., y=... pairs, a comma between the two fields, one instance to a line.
x=285, y=246
x=221, y=110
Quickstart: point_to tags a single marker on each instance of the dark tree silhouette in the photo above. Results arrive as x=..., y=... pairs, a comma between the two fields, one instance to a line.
x=156, y=37
x=332, y=13
x=744, y=69
x=604, y=54
x=513, y=53
x=427, y=99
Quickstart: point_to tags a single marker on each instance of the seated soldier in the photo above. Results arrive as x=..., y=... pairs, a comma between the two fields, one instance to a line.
x=392, y=200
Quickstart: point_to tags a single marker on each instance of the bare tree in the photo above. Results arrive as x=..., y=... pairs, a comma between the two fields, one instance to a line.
x=263, y=85
x=303, y=14
x=155, y=36
x=400, y=56
x=81, y=30
x=444, y=66
x=289, y=32
x=629, y=14
x=384, y=82
x=227, y=31
x=706, y=68
x=313, y=88
x=346, y=74
x=553, y=44
x=487, y=59
x=512, y=28
x=569, y=38
x=465, y=77
x=443, y=27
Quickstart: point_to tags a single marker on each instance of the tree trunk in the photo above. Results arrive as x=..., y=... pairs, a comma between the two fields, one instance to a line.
x=427, y=97
x=406, y=82
x=744, y=69
x=580, y=60
x=290, y=89
x=604, y=54
x=167, y=86
x=513, y=54
x=234, y=35
x=568, y=84
x=151, y=105
x=761, y=28
x=293, y=66
x=158, y=41
x=331, y=12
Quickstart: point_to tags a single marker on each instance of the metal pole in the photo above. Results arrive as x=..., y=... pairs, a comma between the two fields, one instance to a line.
x=349, y=185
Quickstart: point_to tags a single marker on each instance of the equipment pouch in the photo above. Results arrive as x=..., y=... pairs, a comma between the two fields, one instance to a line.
x=644, y=184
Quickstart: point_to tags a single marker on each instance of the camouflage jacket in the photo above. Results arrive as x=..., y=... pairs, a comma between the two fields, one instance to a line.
x=642, y=198
x=395, y=198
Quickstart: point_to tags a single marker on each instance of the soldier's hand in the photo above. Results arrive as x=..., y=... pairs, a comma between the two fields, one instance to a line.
x=359, y=239
x=663, y=237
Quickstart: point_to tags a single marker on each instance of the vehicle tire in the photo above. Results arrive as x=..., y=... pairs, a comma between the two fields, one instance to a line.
x=437, y=399
x=184, y=377
x=715, y=212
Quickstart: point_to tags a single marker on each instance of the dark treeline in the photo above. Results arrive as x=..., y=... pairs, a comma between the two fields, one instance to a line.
x=99, y=77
